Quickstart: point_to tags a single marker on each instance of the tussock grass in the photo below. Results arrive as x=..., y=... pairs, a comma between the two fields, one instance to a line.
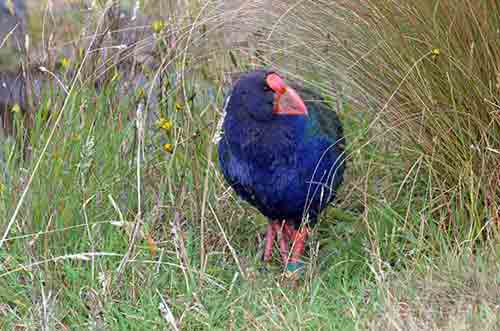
x=432, y=69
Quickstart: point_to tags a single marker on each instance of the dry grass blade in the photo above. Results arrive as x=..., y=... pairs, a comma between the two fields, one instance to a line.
x=7, y=36
x=180, y=248
x=206, y=183
x=231, y=249
x=138, y=223
x=166, y=313
x=84, y=256
x=89, y=234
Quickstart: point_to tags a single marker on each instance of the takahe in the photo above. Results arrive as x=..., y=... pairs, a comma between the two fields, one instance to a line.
x=282, y=150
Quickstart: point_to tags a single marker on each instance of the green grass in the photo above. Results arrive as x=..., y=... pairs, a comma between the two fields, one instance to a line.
x=383, y=258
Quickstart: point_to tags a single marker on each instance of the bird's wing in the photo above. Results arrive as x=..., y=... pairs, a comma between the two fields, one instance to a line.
x=323, y=120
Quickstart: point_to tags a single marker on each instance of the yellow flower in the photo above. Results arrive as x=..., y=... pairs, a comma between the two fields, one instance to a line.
x=16, y=108
x=65, y=62
x=167, y=125
x=435, y=53
x=158, y=26
x=141, y=93
x=178, y=106
x=169, y=148
x=164, y=124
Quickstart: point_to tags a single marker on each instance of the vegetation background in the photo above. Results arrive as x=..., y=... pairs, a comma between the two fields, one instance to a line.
x=115, y=216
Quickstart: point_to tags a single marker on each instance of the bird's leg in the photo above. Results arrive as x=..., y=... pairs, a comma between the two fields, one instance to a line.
x=268, y=248
x=298, y=245
x=283, y=240
x=289, y=230
x=286, y=233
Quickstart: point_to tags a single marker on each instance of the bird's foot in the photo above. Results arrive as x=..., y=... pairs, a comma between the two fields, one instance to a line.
x=295, y=266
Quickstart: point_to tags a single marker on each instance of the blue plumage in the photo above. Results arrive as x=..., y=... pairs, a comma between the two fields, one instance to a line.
x=288, y=167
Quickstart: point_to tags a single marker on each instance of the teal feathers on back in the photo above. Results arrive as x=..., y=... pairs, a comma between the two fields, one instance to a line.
x=322, y=118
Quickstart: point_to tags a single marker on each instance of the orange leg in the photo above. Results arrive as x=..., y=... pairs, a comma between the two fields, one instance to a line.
x=298, y=238
x=286, y=233
x=283, y=240
x=290, y=231
x=268, y=248
x=276, y=228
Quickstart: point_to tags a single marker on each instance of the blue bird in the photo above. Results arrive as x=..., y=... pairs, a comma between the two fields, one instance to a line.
x=282, y=150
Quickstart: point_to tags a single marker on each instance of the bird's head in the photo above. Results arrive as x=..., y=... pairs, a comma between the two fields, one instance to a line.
x=264, y=95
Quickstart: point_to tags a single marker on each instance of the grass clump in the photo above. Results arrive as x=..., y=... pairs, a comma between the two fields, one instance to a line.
x=432, y=70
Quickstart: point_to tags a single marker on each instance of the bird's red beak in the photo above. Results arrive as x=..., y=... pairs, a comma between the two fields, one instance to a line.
x=287, y=101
